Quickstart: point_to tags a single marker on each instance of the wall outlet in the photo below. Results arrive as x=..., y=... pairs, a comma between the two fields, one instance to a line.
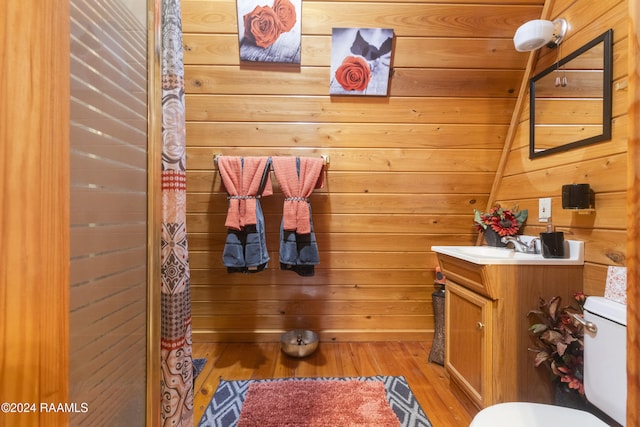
x=544, y=209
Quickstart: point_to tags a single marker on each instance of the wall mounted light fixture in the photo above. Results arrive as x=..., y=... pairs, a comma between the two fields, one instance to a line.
x=534, y=34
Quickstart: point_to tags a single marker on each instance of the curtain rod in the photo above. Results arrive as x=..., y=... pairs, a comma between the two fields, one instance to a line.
x=325, y=160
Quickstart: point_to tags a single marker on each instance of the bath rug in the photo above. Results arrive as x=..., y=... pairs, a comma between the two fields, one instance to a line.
x=198, y=364
x=317, y=404
x=225, y=407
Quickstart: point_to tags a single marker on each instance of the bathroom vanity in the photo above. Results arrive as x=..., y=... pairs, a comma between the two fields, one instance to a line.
x=489, y=292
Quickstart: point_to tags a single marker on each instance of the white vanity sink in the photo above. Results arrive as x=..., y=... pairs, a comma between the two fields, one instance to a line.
x=574, y=254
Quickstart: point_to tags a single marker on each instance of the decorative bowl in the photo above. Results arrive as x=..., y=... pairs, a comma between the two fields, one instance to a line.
x=299, y=342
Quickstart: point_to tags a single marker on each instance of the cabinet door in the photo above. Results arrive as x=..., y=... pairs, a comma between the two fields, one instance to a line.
x=468, y=342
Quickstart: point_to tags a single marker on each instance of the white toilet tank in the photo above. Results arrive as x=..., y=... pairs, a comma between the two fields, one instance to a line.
x=605, y=357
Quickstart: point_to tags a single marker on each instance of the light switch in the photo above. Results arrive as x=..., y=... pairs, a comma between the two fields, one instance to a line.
x=544, y=209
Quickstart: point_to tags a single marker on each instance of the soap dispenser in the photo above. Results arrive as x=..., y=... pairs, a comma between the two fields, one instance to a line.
x=552, y=242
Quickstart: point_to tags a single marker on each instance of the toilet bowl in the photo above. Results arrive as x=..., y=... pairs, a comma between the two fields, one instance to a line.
x=604, y=378
x=526, y=414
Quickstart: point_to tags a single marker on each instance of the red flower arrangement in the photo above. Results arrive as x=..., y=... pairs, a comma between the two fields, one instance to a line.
x=505, y=222
x=559, y=340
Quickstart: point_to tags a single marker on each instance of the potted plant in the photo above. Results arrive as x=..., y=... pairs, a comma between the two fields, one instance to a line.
x=559, y=345
x=499, y=222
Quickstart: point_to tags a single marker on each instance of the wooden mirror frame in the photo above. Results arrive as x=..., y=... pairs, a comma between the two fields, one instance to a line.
x=607, y=40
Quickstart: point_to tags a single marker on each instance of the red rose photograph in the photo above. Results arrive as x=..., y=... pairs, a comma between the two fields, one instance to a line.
x=269, y=30
x=360, y=61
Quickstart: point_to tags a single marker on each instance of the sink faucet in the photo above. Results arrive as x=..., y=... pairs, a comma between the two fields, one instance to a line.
x=520, y=246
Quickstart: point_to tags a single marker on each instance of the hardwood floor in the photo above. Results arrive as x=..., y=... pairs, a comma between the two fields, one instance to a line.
x=428, y=381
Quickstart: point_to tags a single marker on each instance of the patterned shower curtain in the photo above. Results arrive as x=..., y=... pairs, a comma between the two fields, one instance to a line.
x=176, y=362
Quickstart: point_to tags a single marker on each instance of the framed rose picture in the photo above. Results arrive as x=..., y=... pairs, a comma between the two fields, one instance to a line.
x=269, y=30
x=360, y=61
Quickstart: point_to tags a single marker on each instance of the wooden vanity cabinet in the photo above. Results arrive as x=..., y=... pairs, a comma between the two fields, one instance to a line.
x=486, y=327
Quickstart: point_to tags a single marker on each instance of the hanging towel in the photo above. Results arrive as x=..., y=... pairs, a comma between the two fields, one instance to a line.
x=246, y=180
x=297, y=178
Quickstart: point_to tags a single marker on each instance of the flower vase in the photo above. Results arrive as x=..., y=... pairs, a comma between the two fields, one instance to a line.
x=493, y=238
x=569, y=398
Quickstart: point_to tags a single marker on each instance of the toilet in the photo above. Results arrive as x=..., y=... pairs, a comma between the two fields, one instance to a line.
x=605, y=378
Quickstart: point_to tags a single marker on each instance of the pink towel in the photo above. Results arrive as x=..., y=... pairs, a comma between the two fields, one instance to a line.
x=297, y=187
x=241, y=178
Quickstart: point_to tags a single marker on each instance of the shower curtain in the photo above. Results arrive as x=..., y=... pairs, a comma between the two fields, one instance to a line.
x=176, y=360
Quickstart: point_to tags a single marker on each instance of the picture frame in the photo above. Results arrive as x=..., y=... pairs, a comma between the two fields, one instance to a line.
x=269, y=30
x=361, y=61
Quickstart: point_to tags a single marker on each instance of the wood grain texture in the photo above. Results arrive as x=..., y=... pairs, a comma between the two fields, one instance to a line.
x=406, y=170
x=280, y=108
x=603, y=165
x=428, y=381
x=407, y=18
x=633, y=218
x=610, y=234
x=240, y=136
x=468, y=349
x=486, y=327
x=410, y=82
x=34, y=196
x=481, y=53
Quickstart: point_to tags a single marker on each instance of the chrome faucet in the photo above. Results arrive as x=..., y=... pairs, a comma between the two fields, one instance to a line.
x=518, y=245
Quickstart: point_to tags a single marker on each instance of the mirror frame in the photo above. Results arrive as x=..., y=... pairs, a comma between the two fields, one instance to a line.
x=607, y=39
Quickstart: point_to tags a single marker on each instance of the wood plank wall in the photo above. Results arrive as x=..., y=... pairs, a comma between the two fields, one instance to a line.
x=34, y=210
x=406, y=170
x=603, y=165
x=633, y=200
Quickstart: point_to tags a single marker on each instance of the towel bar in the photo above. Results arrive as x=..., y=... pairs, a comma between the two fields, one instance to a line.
x=325, y=161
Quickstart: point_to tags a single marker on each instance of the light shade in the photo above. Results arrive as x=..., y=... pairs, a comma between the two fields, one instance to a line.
x=535, y=34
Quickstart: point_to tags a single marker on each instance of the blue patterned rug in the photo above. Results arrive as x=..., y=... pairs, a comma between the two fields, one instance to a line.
x=198, y=364
x=226, y=403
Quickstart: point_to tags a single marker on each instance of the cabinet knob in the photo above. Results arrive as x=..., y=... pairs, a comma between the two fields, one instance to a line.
x=480, y=325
